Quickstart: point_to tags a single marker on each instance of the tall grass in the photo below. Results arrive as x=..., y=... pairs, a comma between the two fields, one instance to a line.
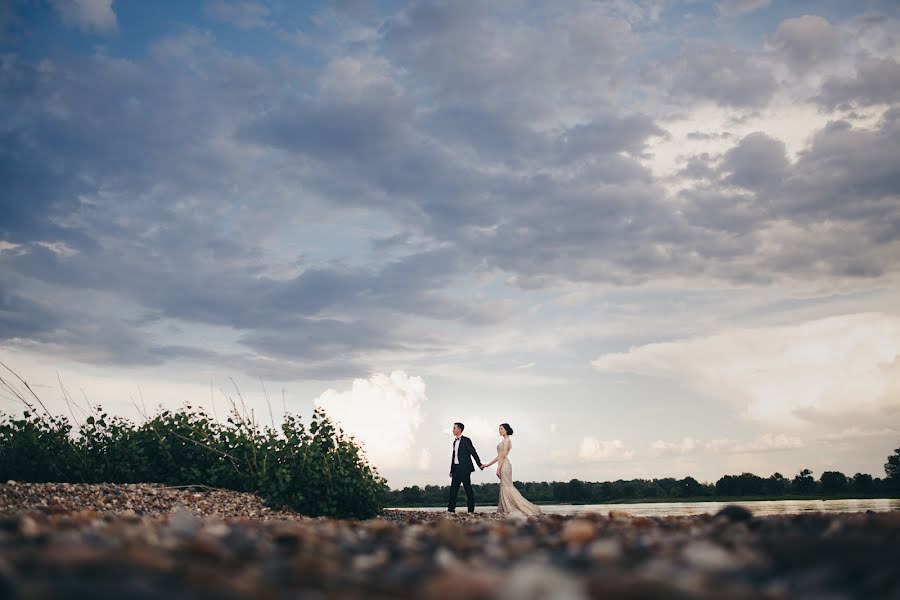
x=314, y=469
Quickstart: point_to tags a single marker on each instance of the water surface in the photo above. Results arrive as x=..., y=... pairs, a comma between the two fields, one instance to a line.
x=683, y=509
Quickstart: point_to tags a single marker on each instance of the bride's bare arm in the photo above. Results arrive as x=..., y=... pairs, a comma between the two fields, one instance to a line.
x=486, y=465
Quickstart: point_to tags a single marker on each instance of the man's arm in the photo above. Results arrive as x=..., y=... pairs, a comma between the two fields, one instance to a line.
x=474, y=453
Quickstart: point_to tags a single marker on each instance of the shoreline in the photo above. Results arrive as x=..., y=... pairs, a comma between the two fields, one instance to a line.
x=692, y=500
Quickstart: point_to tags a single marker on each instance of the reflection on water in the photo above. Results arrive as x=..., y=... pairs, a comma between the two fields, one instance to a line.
x=683, y=509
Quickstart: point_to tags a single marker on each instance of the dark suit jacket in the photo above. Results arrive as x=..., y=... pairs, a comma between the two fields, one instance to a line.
x=466, y=453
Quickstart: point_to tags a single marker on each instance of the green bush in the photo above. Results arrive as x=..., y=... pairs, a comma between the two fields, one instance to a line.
x=317, y=471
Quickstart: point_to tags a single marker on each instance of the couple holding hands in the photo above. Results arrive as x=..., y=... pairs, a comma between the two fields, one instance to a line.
x=511, y=501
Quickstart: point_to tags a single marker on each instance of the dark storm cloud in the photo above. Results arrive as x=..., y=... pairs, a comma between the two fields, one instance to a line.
x=849, y=173
x=757, y=162
x=22, y=317
x=726, y=76
x=836, y=205
x=466, y=50
x=121, y=162
x=486, y=141
x=876, y=81
x=806, y=42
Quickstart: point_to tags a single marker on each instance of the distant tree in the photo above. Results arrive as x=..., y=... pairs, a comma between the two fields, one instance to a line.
x=803, y=483
x=862, y=483
x=560, y=491
x=577, y=491
x=411, y=495
x=751, y=485
x=833, y=482
x=892, y=470
x=727, y=485
x=689, y=488
x=776, y=484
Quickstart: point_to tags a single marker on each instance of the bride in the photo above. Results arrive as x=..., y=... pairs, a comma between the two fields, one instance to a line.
x=511, y=501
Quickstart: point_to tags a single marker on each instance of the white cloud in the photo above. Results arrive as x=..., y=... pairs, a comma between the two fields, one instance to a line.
x=856, y=433
x=847, y=364
x=59, y=248
x=479, y=429
x=594, y=450
x=245, y=15
x=733, y=8
x=88, y=15
x=424, y=459
x=806, y=41
x=767, y=442
x=384, y=412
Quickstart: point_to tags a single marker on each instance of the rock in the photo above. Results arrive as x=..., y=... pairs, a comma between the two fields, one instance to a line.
x=605, y=549
x=735, y=513
x=367, y=562
x=578, y=532
x=28, y=528
x=445, y=559
x=183, y=522
x=218, y=530
x=708, y=556
x=618, y=515
x=452, y=534
x=541, y=582
x=215, y=550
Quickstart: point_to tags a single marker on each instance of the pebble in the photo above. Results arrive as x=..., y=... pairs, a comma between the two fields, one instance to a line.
x=541, y=582
x=735, y=513
x=606, y=549
x=578, y=532
x=205, y=544
x=708, y=556
x=28, y=528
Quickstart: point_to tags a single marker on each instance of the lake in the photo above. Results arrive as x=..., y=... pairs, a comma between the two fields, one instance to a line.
x=684, y=509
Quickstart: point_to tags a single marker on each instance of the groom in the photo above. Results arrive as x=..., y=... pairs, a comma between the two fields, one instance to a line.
x=461, y=468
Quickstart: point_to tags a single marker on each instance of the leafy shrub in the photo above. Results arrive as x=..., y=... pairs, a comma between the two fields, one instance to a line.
x=317, y=471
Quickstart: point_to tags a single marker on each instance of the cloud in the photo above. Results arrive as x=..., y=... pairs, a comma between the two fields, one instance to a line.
x=875, y=82
x=358, y=210
x=767, y=442
x=89, y=15
x=384, y=413
x=733, y=8
x=758, y=161
x=858, y=432
x=725, y=76
x=782, y=374
x=806, y=42
x=467, y=50
x=242, y=14
x=594, y=450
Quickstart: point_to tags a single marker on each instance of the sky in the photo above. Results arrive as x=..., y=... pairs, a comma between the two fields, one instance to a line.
x=658, y=238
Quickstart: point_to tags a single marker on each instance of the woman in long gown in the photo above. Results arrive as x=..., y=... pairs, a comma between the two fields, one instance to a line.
x=511, y=501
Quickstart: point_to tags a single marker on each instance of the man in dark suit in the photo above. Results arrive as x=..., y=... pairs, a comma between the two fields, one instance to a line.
x=461, y=468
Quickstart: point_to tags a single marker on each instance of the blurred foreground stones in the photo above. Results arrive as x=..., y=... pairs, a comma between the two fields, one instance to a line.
x=76, y=542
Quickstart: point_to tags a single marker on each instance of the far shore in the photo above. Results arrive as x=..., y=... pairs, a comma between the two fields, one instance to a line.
x=693, y=499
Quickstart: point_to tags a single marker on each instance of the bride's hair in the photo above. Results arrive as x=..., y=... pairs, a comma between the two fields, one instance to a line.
x=507, y=428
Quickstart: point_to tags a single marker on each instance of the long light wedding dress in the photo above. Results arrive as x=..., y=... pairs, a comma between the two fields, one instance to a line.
x=512, y=503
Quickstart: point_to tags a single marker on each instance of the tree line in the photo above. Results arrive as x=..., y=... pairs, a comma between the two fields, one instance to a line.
x=801, y=485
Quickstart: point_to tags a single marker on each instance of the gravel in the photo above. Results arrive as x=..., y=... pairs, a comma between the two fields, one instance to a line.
x=148, y=541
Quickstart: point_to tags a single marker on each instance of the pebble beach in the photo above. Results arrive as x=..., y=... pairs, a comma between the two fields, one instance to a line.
x=149, y=541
